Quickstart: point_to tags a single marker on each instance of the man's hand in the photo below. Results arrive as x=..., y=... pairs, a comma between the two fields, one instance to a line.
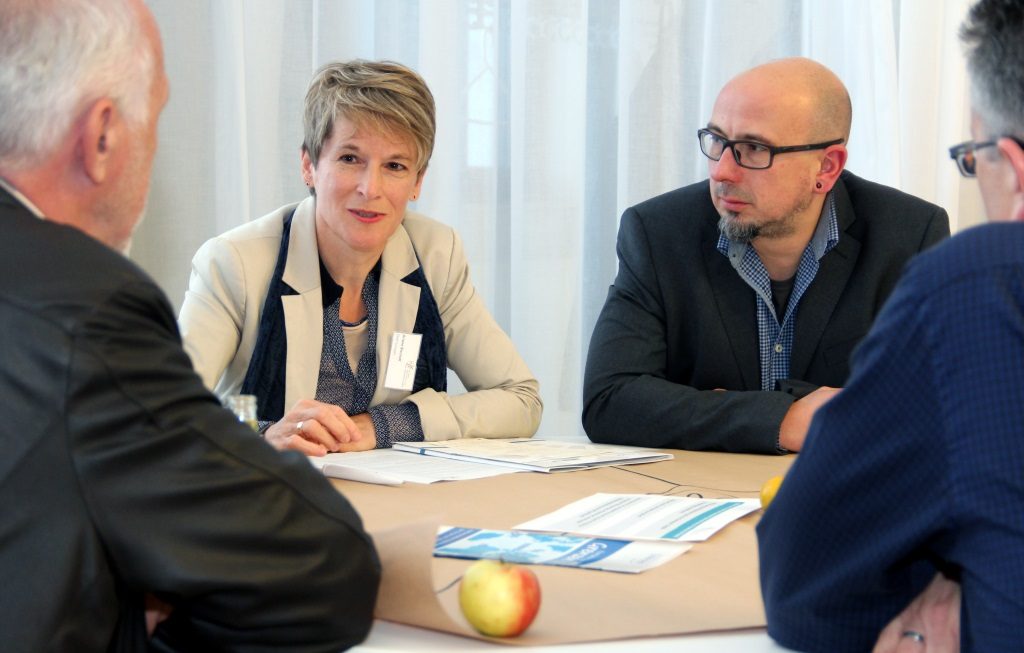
x=798, y=418
x=933, y=615
x=315, y=428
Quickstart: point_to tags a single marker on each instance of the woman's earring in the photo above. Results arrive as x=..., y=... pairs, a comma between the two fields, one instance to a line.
x=818, y=185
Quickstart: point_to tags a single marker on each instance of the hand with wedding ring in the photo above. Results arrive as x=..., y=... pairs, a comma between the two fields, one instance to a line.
x=930, y=624
x=315, y=428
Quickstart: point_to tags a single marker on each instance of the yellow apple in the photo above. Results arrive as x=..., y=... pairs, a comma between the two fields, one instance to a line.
x=769, y=489
x=499, y=599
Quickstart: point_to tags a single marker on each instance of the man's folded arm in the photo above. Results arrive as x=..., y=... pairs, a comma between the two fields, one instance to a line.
x=627, y=395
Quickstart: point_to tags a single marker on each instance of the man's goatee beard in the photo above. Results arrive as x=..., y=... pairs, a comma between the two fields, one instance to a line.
x=736, y=231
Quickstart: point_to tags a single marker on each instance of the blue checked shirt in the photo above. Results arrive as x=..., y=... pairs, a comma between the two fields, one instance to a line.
x=776, y=336
x=337, y=383
x=917, y=465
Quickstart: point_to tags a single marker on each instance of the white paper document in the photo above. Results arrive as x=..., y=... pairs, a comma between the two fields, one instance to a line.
x=560, y=550
x=535, y=455
x=644, y=517
x=390, y=467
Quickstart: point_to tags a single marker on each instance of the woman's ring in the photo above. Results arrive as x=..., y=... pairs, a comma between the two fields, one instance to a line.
x=914, y=635
x=298, y=427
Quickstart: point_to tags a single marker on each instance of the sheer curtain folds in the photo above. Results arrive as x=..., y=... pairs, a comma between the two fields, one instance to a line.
x=553, y=117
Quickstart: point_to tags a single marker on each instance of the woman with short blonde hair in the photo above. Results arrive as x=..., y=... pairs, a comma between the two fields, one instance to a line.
x=343, y=312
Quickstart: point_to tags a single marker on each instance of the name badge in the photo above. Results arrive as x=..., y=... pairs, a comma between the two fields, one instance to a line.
x=405, y=351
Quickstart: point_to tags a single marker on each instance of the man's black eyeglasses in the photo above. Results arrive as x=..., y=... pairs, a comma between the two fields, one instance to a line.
x=751, y=154
x=963, y=154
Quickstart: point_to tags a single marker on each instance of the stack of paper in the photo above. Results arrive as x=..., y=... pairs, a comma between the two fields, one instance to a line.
x=535, y=455
x=459, y=460
x=388, y=467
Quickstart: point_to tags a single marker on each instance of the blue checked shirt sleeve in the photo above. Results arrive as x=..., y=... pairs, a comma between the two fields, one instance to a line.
x=399, y=423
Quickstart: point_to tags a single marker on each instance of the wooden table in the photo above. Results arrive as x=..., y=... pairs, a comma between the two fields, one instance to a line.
x=713, y=587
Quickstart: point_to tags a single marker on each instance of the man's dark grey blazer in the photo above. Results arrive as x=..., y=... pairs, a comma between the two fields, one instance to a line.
x=121, y=475
x=679, y=322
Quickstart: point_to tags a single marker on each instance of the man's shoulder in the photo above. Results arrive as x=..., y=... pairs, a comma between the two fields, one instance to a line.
x=686, y=210
x=41, y=254
x=978, y=251
x=873, y=197
x=885, y=220
x=63, y=276
x=679, y=200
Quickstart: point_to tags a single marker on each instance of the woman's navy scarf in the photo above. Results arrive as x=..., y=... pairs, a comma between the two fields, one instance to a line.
x=265, y=375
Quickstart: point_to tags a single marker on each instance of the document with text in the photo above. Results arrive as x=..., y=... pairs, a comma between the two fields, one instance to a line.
x=390, y=467
x=559, y=550
x=644, y=517
x=535, y=455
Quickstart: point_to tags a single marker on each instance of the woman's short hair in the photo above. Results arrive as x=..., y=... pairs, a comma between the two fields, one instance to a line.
x=382, y=95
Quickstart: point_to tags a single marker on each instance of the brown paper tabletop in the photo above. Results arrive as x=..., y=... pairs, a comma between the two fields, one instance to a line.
x=714, y=586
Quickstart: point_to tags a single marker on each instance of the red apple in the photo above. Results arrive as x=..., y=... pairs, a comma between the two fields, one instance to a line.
x=499, y=599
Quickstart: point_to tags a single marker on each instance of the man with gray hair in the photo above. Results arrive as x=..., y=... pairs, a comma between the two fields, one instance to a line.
x=913, y=476
x=125, y=484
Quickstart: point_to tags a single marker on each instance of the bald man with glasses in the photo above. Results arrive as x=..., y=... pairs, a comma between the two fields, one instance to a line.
x=739, y=299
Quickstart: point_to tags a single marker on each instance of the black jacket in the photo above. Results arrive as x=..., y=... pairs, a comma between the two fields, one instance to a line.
x=121, y=475
x=679, y=322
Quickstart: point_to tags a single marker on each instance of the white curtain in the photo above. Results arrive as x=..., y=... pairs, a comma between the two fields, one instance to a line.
x=553, y=117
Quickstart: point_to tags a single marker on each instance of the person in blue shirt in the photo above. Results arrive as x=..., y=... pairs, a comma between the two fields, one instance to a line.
x=911, y=480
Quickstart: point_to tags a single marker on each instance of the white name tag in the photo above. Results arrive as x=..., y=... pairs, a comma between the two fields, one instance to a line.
x=405, y=351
